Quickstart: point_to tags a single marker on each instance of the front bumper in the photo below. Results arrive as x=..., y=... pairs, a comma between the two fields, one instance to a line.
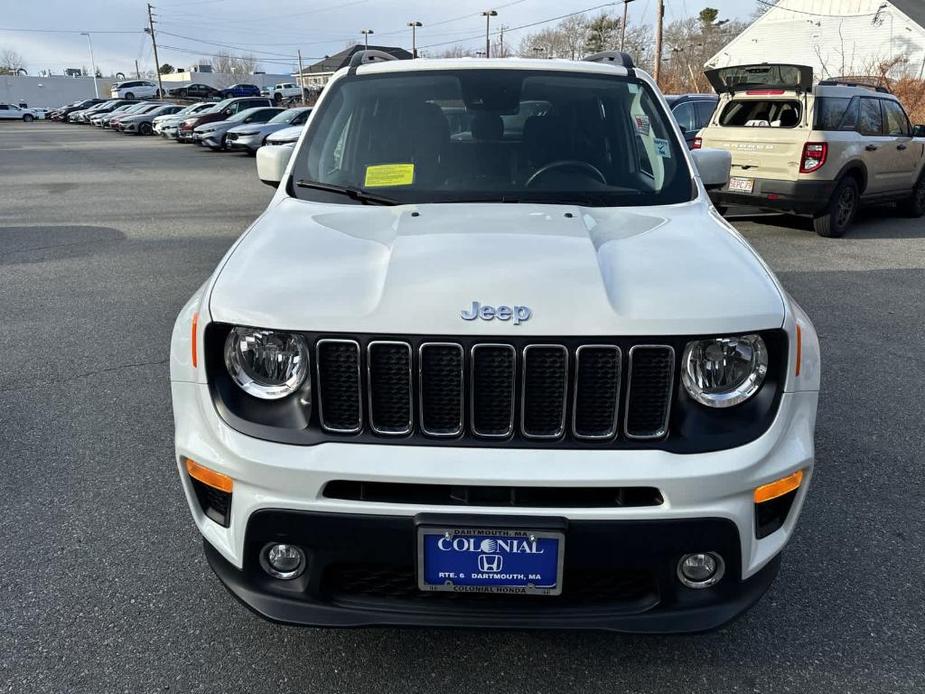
x=712, y=492
x=618, y=575
x=799, y=197
x=250, y=143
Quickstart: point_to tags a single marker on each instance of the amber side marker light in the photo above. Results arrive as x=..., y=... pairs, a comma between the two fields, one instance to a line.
x=208, y=477
x=195, y=341
x=773, y=490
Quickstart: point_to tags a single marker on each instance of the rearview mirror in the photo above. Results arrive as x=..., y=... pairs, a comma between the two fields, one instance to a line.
x=714, y=166
x=918, y=131
x=272, y=162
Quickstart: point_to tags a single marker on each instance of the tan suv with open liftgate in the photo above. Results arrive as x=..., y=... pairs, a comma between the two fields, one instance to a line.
x=820, y=150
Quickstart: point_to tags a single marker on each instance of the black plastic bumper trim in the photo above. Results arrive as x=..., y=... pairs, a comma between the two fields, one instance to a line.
x=646, y=543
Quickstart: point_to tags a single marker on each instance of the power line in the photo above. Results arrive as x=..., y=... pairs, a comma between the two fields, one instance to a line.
x=71, y=31
x=778, y=6
x=203, y=54
x=523, y=26
x=222, y=45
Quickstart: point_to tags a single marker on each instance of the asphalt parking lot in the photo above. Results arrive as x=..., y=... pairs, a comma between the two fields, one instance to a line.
x=103, y=585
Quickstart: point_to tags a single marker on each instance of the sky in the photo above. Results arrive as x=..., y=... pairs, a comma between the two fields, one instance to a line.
x=274, y=31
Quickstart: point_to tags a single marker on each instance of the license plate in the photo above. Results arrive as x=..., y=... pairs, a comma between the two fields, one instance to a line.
x=742, y=185
x=467, y=560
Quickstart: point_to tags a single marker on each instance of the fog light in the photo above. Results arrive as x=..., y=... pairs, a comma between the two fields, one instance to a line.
x=283, y=561
x=701, y=570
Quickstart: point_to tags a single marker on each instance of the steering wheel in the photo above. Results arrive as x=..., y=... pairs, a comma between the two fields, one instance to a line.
x=566, y=163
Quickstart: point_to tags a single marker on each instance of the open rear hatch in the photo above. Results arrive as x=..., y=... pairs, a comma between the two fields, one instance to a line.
x=739, y=78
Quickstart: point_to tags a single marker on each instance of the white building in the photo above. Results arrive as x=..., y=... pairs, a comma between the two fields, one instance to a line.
x=836, y=37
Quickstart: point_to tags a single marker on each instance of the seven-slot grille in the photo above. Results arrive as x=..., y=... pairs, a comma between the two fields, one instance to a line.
x=494, y=390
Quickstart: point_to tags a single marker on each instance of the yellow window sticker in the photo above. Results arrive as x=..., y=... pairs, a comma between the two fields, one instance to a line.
x=385, y=175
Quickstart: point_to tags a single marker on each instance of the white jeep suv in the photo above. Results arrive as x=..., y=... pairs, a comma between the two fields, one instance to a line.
x=479, y=370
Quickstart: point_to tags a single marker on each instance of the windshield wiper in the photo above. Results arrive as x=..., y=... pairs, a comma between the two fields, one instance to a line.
x=353, y=193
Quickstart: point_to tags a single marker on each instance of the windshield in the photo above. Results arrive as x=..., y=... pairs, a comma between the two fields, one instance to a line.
x=493, y=136
x=241, y=115
x=286, y=116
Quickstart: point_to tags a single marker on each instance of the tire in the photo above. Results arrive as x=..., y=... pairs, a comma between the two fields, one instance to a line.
x=28, y=118
x=277, y=98
x=915, y=206
x=841, y=210
x=129, y=95
x=145, y=129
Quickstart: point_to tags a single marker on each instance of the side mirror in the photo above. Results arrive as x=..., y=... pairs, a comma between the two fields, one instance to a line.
x=249, y=119
x=272, y=162
x=714, y=166
x=918, y=131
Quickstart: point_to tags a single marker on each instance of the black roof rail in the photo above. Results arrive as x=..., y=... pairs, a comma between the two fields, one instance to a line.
x=860, y=85
x=622, y=59
x=370, y=56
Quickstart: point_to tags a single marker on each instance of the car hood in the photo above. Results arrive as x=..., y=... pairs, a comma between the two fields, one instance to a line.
x=292, y=131
x=413, y=269
x=262, y=128
x=212, y=125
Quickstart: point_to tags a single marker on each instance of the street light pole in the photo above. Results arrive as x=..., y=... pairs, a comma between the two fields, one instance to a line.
x=366, y=33
x=414, y=45
x=659, y=37
x=626, y=6
x=488, y=14
x=96, y=88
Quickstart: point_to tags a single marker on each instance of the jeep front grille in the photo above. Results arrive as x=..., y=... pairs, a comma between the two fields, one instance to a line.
x=493, y=390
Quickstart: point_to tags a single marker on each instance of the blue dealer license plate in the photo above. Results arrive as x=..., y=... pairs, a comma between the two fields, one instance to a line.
x=524, y=562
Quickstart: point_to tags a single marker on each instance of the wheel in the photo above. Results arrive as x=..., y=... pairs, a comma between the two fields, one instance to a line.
x=842, y=208
x=915, y=206
x=145, y=129
x=129, y=95
x=28, y=118
x=277, y=98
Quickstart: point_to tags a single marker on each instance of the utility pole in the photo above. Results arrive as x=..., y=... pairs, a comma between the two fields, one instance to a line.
x=488, y=14
x=137, y=71
x=157, y=63
x=301, y=78
x=659, y=31
x=626, y=7
x=501, y=43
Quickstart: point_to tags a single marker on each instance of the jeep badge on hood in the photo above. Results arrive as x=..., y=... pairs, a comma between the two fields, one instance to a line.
x=519, y=314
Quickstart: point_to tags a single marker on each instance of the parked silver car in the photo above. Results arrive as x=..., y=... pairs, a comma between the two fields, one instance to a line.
x=103, y=120
x=213, y=135
x=143, y=123
x=286, y=136
x=167, y=125
x=250, y=137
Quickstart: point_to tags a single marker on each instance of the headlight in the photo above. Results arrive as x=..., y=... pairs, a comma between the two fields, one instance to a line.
x=249, y=132
x=724, y=371
x=266, y=364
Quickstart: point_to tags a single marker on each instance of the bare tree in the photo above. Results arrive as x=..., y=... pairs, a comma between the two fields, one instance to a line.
x=233, y=67
x=11, y=62
x=566, y=40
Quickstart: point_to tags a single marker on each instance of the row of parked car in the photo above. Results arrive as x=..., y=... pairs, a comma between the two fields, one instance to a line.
x=237, y=124
x=146, y=89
